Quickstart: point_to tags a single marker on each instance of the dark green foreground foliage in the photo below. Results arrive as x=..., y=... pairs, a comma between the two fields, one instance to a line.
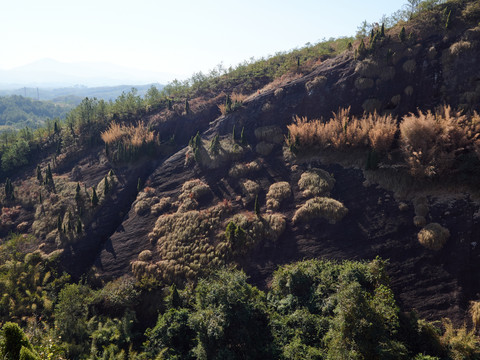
x=313, y=310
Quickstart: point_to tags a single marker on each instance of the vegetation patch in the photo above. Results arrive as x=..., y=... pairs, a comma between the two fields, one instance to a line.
x=271, y=134
x=316, y=182
x=321, y=207
x=342, y=131
x=433, y=236
x=277, y=193
x=243, y=169
x=185, y=245
x=317, y=83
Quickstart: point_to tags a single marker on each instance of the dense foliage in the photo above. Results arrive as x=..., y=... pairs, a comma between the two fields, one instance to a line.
x=17, y=112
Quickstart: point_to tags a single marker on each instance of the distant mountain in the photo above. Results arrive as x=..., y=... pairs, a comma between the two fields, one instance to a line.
x=75, y=94
x=54, y=74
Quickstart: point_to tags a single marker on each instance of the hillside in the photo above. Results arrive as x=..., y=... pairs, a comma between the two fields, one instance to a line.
x=350, y=150
x=17, y=112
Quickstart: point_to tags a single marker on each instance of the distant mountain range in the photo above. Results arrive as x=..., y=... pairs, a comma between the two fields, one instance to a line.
x=73, y=95
x=48, y=73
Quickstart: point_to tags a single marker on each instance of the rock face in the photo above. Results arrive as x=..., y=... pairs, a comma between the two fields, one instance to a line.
x=430, y=68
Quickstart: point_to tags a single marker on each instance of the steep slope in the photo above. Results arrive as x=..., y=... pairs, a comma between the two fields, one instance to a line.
x=397, y=77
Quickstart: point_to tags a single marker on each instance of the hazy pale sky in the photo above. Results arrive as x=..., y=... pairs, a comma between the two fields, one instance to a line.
x=177, y=36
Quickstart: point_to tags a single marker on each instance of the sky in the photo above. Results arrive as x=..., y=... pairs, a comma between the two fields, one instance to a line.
x=178, y=37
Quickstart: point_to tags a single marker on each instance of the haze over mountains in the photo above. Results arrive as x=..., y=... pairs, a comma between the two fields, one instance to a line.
x=49, y=73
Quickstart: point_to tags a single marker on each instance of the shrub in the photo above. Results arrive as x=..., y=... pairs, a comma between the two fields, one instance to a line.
x=372, y=105
x=263, y=148
x=459, y=48
x=368, y=68
x=317, y=83
x=277, y=193
x=194, y=189
x=463, y=344
x=321, y=207
x=408, y=90
x=409, y=66
x=241, y=170
x=419, y=221
x=433, y=236
x=271, y=134
x=316, y=182
x=250, y=187
x=363, y=83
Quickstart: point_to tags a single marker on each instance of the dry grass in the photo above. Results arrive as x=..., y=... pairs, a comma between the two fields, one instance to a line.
x=134, y=135
x=430, y=141
x=316, y=182
x=433, y=236
x=343, y=131
x=277, y=193
x=185, y=244
x=459, y=48
x=321, y=207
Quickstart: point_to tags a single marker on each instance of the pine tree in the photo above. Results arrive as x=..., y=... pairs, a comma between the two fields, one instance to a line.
x=243, y=140
x=77, y=193
x=402, y=36
x=106, y=189
x=139, y=185
x=9, y=190
x=40, y=200
x=55, y=128
x=94, y=199
x=215, y=144
x=187, y=107
x=59, y=223
x=107, y=150
x=233, y=133
x=173, y=300
x=382, y=30
x=228, y=104
x=257, y=206
x=79, y=226
x=39, y=174
x=49, y=176
x=361, y=48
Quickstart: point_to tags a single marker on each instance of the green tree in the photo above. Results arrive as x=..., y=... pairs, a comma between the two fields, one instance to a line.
x=13, y=341
x=39, y=174
x=15, y=155
x=187, y=107
x=9, y=190
x=71, y=314
x=106, y=188
x=243, y=139
x=402, y=36
x=257, y=206
x=48, y=176
x=215, y=144
x=173, y=336
x=231, y=319
x=94, y=199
